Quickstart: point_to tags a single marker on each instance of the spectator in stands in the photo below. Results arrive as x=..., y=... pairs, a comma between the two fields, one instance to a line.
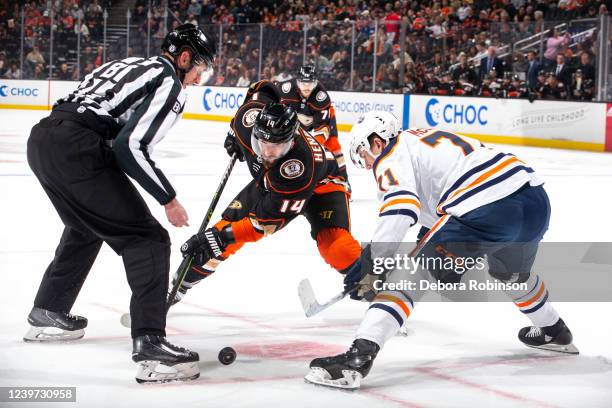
x=464, y=71
x=139, y=16
x=553, y=45
x=392, y=21
x=195, y=8
x=562, y=71
x=160, y=31
x=39, y=72
x=34, y=57
x=489, y=62
x=244, y=79
x=13, y=72
x=587, y=70
x=87, y=56
x=231, y=75
x=3, y=63
x=191, y=19
x=88, y=68
x=85, y=34
x=99, y=60
x=533, y=67
x=64, y=73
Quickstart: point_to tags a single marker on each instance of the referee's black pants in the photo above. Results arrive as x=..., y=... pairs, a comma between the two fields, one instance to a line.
x=97, y=203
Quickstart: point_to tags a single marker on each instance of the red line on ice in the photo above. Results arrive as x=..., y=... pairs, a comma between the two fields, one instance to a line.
x=384, y=397
x=171, y=329
x=431, y=372
x=232, y=315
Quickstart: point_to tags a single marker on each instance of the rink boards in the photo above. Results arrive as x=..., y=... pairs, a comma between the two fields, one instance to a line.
x=560, y=124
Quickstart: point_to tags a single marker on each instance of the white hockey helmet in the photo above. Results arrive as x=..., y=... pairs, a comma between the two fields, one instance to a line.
x=380, y=123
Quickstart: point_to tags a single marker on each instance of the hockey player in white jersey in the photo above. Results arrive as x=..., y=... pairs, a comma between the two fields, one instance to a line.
x=473, y=200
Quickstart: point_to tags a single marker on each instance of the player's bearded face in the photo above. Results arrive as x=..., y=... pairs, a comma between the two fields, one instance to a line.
x=270, y=152
x=306, y=88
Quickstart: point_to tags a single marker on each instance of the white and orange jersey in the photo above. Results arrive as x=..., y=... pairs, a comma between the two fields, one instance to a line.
x=423, y=174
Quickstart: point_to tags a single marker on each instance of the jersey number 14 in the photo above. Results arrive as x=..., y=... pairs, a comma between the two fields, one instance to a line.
x=292, y=205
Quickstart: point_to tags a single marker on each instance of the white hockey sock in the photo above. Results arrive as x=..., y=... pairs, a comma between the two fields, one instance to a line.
x=534, y=302
x=384, y=317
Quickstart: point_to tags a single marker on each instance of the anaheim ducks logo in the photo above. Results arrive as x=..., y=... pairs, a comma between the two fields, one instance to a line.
x=292, y=169
x=248, y=119
x=235, y=205
x=321, y=96
x=286, y=87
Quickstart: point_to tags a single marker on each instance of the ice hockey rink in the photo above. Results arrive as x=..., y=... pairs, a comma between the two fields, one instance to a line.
x=455, y=354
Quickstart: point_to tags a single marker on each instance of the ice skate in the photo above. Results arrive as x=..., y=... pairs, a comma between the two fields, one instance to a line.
x=553, y=338
x=160, y=361
x=346, y=370
x=48, y=326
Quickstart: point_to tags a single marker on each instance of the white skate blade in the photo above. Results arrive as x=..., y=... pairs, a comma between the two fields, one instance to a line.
x=320, y=376
x=52, y=334
x=558, y=348
x=152, y=372
x=402, y=332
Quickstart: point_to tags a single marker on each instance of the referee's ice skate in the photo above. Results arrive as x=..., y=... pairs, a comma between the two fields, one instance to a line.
x=344, y=370
x=48, y=326
x=552, y=338
x=161, y=361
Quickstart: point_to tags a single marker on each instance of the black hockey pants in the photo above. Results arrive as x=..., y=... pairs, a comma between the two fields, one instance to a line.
x=97, y=203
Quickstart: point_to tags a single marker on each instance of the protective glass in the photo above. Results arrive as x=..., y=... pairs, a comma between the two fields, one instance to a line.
x=268, y=151
x=204, y=72
x=307, y=86
x=358, y=155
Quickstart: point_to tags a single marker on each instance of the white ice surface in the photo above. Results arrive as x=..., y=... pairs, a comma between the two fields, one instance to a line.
x=456, y=355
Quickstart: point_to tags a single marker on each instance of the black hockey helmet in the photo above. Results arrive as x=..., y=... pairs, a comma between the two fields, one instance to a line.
x=266, y=92
x=276, y=123
x=188, y=36
x=308, y=73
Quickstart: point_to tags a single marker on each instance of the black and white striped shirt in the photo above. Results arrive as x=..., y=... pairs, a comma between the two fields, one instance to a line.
x=142, y=97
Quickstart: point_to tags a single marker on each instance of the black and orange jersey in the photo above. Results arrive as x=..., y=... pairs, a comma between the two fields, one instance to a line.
x=307, y=169
x=316, y=112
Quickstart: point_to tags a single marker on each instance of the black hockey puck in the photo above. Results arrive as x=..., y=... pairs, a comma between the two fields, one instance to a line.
x=227, y=355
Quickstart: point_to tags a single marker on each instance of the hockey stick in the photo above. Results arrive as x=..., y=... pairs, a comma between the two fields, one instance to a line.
x=188, y=260
x=309, y=301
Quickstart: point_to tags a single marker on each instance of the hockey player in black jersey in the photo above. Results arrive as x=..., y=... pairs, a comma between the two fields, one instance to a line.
x=292, y=175
x=82, y=154
x=309, y=98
